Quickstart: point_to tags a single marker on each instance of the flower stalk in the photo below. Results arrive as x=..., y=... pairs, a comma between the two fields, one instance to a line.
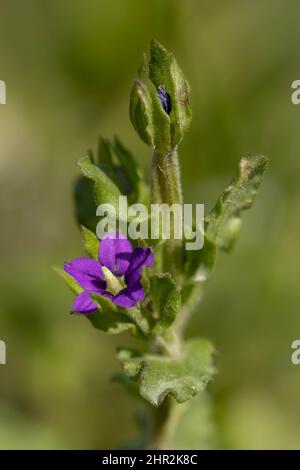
x=166, y=178
x=166, y=189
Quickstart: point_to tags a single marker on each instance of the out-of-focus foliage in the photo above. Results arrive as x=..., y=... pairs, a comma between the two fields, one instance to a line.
x=69, y=68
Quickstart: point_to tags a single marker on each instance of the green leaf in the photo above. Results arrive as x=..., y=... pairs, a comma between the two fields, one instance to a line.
x=105, y=158
x=127, y=162
x=181, y=377
x=132, y=172
x=108, y=318
x=85, y=207
x=118, y=319
x=148, y=117
x=200, y=263
x=224, y=222
x=90, y=242
x=166, y=300
x=120, y=166
x=72, y=284
x=138, y=116
x=105, y=190
x=112, y=323
x=108, y=163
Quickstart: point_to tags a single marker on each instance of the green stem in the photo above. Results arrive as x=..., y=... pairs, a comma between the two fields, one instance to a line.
x=191, y=301
x=166, y=181
x=166, y=189
x=135, y=315
x=167, y=416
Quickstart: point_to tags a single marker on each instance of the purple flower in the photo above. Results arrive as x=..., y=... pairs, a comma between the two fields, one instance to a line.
x=116, y=275
x=165, y=99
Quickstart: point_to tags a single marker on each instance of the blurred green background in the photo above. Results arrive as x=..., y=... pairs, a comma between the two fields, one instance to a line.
x=68, y=67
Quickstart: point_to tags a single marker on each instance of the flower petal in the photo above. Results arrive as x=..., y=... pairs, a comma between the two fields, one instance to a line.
x=129, y=296
x=83, y=304
x=88, y=273
x=141, y=256
x=115, y=253
x=108, y=295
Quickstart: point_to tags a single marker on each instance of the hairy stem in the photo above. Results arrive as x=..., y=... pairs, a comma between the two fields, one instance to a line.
x=166, y=189
x=192, y=301
x=167, y=416
x=166, y=182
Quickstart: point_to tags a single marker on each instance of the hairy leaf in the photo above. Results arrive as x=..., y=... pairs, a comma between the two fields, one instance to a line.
x=85, y=207
x=224, y=222
x=139, y=191
x=106, y=158
x=90, y=242
x=200, y=263
x=181, y=377
x=147, y=115
x=164, y=70
x=109, y=318
x=166, y=299
x=105, y=190
x=72, y=284
x=112, y=323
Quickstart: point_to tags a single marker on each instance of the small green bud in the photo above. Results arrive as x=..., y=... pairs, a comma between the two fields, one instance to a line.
x=159, y=105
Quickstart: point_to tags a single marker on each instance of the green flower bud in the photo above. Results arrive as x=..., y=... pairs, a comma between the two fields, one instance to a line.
x=159, y=105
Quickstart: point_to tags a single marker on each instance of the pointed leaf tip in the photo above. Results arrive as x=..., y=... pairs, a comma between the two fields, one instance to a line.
x=224, y=222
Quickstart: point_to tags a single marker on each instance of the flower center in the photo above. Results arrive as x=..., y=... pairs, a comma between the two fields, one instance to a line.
x=113, y=283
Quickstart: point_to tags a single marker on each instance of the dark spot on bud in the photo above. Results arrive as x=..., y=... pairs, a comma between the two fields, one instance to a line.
x=165, y=99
